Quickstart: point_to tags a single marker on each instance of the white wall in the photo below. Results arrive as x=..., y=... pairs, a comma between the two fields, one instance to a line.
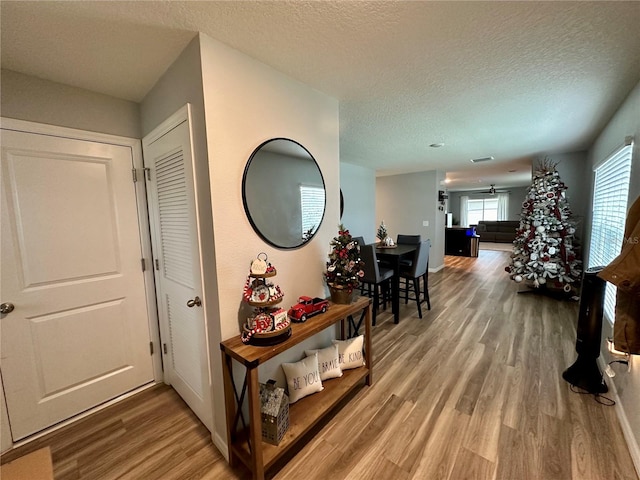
x=246, y=103
x=181, y=83
x=404, y=202
x=516, y=198
x=358, y=186
x=29, y=98
x=625, y=122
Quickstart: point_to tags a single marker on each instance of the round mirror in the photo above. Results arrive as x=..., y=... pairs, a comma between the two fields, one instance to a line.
x=283, y=193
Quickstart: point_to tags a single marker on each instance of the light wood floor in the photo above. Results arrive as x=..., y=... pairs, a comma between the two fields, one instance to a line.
x=471, y=391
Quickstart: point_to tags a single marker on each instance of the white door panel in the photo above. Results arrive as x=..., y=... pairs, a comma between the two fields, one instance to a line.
x=79, y=333
x=172, y=214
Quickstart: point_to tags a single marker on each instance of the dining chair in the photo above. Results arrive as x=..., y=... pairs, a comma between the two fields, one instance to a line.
x=358, y=240
x=376, y=278
x=409, y=240
x=418, y=269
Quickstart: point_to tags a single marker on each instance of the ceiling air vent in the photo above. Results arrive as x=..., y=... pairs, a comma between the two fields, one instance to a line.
x=478, y=160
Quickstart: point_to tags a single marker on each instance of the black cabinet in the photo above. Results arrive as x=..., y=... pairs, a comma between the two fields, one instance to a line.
x=461, y=241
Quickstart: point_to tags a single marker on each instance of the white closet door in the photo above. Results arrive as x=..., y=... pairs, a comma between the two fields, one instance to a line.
x=172, y=212
x=79, y=332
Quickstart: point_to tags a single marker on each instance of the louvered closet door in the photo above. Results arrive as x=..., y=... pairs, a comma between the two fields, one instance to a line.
x=177, y=265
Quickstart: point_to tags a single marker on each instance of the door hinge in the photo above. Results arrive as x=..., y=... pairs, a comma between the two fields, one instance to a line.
x=164, y=348
x=134, y=172
x=150, y=348
x=144, y=264
x=157, y=262
x=147, y=171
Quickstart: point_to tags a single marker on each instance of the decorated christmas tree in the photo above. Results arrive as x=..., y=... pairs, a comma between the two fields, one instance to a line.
x=344, y=268
x=543, y=251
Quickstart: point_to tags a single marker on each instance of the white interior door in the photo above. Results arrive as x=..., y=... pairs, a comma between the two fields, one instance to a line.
x=79, y=332
x=168, y=161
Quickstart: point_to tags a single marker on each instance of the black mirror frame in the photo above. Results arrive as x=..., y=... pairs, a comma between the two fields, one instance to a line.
x=246, y=206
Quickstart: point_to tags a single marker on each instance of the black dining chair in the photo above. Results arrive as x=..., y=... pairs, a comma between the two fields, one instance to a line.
x=418, y=269
x=358, y=240
x=407, y=240
x=376, y=278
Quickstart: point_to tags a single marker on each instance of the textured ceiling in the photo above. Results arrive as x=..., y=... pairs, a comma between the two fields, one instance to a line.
x=513, y=80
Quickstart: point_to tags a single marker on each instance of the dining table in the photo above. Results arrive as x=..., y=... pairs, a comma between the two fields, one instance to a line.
x=392, y=256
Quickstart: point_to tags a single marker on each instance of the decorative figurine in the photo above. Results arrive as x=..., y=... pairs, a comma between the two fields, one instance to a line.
x=307, y=307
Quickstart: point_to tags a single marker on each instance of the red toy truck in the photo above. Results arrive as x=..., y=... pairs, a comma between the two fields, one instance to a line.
x=307, y=307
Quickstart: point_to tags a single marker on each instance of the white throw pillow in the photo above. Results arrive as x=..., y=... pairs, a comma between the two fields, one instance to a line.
x=328, y=362
x=350, y=353
x=303, y=378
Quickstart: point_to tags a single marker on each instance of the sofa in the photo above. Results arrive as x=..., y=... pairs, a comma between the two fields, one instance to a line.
x=502, y=231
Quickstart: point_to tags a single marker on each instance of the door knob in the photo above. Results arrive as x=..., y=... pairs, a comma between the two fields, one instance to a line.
x=8, y=307
x=193, y=302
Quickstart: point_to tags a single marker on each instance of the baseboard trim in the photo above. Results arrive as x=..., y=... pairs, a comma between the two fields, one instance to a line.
x=221, y=445
x=632, y=443
x=436, y=269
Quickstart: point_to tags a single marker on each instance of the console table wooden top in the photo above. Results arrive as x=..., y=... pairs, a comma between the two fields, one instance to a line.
x=252, y=356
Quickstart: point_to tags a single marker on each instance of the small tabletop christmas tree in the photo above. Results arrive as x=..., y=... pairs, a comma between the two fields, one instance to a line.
x=382, y=232
x=344, y=268
x=543, y=249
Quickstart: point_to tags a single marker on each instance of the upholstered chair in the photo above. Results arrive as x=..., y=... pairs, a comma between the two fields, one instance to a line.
x=376, y=279
x=413, y=273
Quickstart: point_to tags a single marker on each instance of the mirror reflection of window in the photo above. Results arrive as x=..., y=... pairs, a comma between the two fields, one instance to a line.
x=272, y=194
x=312, y=208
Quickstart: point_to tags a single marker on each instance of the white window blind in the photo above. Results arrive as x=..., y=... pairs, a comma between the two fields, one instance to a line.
x=312, y=207
x=482, y=209
x=610, y=194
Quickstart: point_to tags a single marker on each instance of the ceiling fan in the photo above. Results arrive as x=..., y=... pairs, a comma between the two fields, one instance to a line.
x=492, y=190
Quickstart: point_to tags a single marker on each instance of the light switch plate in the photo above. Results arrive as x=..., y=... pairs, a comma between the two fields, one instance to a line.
x=425, y=223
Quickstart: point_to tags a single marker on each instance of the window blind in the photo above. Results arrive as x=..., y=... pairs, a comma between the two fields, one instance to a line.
x=481, y=209
x=312, y=207
x=611, y=191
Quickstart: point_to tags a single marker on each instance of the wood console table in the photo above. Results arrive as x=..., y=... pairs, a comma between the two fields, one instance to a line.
x=245, y=441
